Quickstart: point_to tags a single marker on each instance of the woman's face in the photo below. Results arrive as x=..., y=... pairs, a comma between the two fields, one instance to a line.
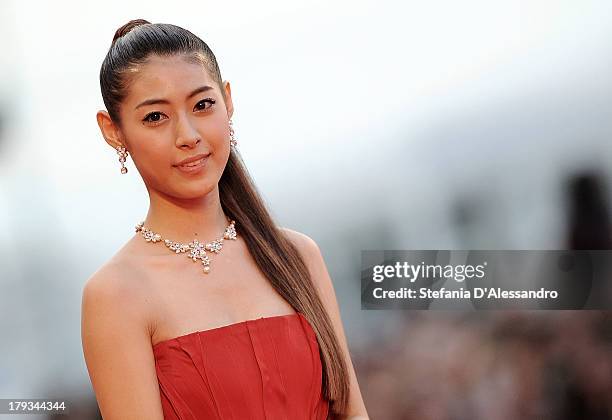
x=174, y=111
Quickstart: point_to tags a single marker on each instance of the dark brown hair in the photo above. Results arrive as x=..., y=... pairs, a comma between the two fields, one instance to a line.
x=274, y=254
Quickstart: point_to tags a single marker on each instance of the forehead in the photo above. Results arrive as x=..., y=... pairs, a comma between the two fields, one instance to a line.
x=166, y=77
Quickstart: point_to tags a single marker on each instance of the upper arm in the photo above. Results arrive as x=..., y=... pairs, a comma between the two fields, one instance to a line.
x=117, y=349
x=320, y=276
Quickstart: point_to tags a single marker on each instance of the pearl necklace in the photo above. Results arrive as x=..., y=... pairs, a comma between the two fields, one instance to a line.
x=197, y=250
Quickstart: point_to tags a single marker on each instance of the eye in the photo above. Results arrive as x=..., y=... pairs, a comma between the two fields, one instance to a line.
x=153, y=117
x=200, y=105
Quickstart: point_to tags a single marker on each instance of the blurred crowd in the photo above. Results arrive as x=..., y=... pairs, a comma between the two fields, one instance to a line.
x=492, y=365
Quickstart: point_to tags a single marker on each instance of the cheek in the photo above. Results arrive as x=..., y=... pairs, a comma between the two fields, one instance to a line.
x=220, y=160
x=219, y=145
x=222, y=150
x=154, y=162
x=156, y=158
x=218, y=135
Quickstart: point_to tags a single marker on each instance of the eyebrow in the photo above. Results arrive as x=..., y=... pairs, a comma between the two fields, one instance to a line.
x=165, y=101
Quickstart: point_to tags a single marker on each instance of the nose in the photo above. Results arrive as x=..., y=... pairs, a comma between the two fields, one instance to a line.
x=186, y=134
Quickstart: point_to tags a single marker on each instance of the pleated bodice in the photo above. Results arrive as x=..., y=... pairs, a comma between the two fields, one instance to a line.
x=265, y=368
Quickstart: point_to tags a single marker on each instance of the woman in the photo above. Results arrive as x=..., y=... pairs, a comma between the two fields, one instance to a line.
x=252, y=330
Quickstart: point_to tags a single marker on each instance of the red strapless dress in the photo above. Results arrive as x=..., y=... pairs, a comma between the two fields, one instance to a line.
x=265, y=368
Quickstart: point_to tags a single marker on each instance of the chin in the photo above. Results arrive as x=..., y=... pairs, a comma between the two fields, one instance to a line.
x=196, y=191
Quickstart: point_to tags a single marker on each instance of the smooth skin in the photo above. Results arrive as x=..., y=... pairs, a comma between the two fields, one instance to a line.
x=145, y=294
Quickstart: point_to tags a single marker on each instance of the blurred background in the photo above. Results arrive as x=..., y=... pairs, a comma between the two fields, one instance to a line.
x=395, y=125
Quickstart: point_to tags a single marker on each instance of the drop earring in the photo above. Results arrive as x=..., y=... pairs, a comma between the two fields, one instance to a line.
x=233, y=141
x=122, y=152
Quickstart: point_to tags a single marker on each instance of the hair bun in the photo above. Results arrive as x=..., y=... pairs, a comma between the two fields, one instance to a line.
x=128, y=27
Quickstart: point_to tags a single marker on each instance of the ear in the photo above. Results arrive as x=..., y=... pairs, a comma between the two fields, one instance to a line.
x=229, y=105
x=109, y=129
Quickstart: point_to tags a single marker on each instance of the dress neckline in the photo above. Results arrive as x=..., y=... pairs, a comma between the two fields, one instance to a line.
x=223, y=327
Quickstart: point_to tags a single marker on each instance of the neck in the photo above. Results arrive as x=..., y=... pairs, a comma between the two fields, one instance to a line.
x=185, y=220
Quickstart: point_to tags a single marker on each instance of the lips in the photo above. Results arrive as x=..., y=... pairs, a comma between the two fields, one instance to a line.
x=193, y=159
x=193, y=166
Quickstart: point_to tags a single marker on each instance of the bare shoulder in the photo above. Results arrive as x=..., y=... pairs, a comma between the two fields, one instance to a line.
x=307, y=247
x=116, y=343
x=116, y=283
x=313, y=258
x=108, y=278
x=311, y=253
x=118, y=288
x=121, y=278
